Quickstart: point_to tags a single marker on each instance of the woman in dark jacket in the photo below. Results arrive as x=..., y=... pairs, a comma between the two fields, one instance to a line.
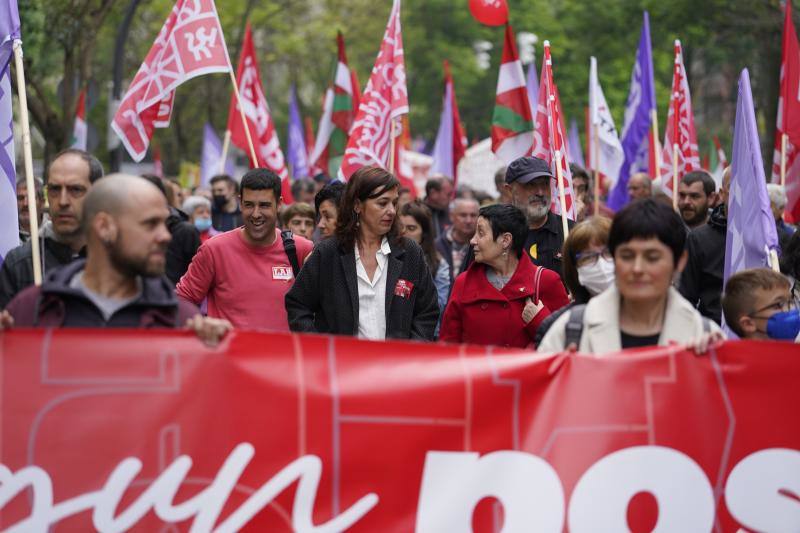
x=366, y=280
x=502, y=297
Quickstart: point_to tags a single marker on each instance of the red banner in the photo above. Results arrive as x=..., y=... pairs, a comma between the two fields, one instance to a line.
x=279, y=432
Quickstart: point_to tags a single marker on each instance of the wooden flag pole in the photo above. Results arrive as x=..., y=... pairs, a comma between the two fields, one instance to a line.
x=783, y=159
x=675, y=175
x=28, y=156
x=595, y=173
x=773, y=260
x=244, y=119
x=391, y=145
x=656, y=144
x=226, y=142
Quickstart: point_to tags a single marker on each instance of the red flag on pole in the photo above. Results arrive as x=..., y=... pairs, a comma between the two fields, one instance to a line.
x=190, y=44
x=680, y=127
x=550, y=136
x=384, y=101
x=259, y=120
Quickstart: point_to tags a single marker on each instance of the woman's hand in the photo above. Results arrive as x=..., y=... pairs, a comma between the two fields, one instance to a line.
x=700, y=344
x=530, y=310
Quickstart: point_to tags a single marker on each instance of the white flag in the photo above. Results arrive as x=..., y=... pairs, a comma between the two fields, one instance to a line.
x=605, y=145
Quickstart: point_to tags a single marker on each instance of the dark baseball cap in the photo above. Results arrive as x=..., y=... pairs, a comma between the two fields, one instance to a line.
x=526, y=169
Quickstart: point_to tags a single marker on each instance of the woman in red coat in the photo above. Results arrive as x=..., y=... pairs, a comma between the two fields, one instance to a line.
x=502, y=297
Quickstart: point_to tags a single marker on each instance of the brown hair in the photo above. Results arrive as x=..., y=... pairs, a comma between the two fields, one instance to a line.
x=592, y=230
x=738, y=296
x=422, y=214
x=365, y=184
x=296, y=209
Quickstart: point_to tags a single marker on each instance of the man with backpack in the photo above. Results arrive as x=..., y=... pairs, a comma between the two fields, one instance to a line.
x=246, y=272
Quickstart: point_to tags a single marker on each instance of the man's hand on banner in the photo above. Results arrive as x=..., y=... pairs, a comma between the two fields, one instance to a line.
x=6, y=320
x=209, y=330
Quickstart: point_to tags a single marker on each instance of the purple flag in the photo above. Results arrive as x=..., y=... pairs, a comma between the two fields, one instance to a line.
x=533, y=86
x=443, y=147
x=209, y=159
x=9, y=221
x=638, y=109
x=574, y=143
x=296, y=140
x=751, y=226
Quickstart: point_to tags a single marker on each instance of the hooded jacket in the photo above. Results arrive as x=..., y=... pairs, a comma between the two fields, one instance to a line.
x=701, y=280
x=56, y=304
x=17, y=270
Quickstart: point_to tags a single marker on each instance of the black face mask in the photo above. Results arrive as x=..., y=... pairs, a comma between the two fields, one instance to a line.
x=219, y=201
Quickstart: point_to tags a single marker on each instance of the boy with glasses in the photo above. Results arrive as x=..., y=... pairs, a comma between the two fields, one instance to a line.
x=758, y=304
x=70, y=176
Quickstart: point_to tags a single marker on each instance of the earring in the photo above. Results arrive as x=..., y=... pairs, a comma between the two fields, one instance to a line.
x=505, y=252
x=358, y=222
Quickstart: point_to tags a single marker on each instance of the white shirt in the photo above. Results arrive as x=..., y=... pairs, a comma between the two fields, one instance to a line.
x=372, y=295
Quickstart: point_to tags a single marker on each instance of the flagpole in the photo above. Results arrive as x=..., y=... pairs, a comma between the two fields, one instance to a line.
x=244, y=119
x=226, y=142
x=596, y=174
x=656, y=144
x=391, y=145
x=561, y=196
x=28, y=157
x=783, y=159
x=675, y=175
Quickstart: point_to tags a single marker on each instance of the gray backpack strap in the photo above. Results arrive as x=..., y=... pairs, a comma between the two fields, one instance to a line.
x=573, y=331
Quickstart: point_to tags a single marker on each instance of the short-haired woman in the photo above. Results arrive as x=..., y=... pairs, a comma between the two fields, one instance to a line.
x=198, y=208
x=647, y=242
x=326, y=204
x=502, y=297
x=366, y=280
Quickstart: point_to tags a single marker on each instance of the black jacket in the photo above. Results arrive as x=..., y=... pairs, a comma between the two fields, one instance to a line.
x=324, y=298
x=56, y=304
x=701, y=280
x=184, y=244
x=17, y=270
x=543, y=245
x=445, y=247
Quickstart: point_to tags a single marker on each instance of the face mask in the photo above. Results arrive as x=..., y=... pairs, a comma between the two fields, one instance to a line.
x=219, y=201
x=202, y=224
x=597, y=277
x=784, y=325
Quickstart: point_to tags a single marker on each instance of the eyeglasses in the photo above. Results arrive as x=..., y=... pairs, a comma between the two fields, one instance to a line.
x=75, y=191
x=590, y=258
x=775, y=307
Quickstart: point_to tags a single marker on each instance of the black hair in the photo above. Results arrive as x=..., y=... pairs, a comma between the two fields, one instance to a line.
x=95, y=166
x=261, y=179
x=578, y=171
x=645, y=219
x=505, y=218
x=158, y=182
x=227, y=179
x=434, y=184
x=702, y=177
x=331, y=191
x=302, y=185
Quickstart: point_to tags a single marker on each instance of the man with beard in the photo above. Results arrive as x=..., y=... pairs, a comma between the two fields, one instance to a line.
x=70, y=177
x=121, y=283
x=696, y=195
x=528, y=183
x=225, y=212
x=246, y=273
x=701, y=279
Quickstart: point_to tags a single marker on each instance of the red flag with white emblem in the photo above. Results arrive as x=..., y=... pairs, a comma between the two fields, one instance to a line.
x=385, y=100
x=190, y=44
x=259, y=121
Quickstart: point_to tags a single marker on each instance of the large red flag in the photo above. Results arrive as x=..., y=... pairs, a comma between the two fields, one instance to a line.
x=550, y=135
x=190, y=44
x=788, y=121
x=680, y=127
x=384, y=101
x=259, y=120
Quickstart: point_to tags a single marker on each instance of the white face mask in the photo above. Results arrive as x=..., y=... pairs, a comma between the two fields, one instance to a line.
x=597, y=277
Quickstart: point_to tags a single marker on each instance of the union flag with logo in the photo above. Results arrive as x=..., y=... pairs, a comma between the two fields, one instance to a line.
x=190, y=44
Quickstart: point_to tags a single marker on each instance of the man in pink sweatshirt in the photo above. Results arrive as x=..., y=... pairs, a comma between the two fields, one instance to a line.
x=246, y=272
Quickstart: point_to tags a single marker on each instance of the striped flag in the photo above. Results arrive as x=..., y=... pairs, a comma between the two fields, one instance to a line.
x=512, y=121
x=79, y=130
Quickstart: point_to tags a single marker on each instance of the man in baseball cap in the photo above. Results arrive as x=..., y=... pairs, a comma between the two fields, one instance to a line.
x=528, y=182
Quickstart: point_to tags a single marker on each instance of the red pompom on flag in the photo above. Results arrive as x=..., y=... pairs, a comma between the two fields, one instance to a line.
x=489, y=12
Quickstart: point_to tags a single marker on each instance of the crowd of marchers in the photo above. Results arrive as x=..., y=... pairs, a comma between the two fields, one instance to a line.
x=363, y=258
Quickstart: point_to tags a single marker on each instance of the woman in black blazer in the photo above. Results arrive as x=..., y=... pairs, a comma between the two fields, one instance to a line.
x=366, y=280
